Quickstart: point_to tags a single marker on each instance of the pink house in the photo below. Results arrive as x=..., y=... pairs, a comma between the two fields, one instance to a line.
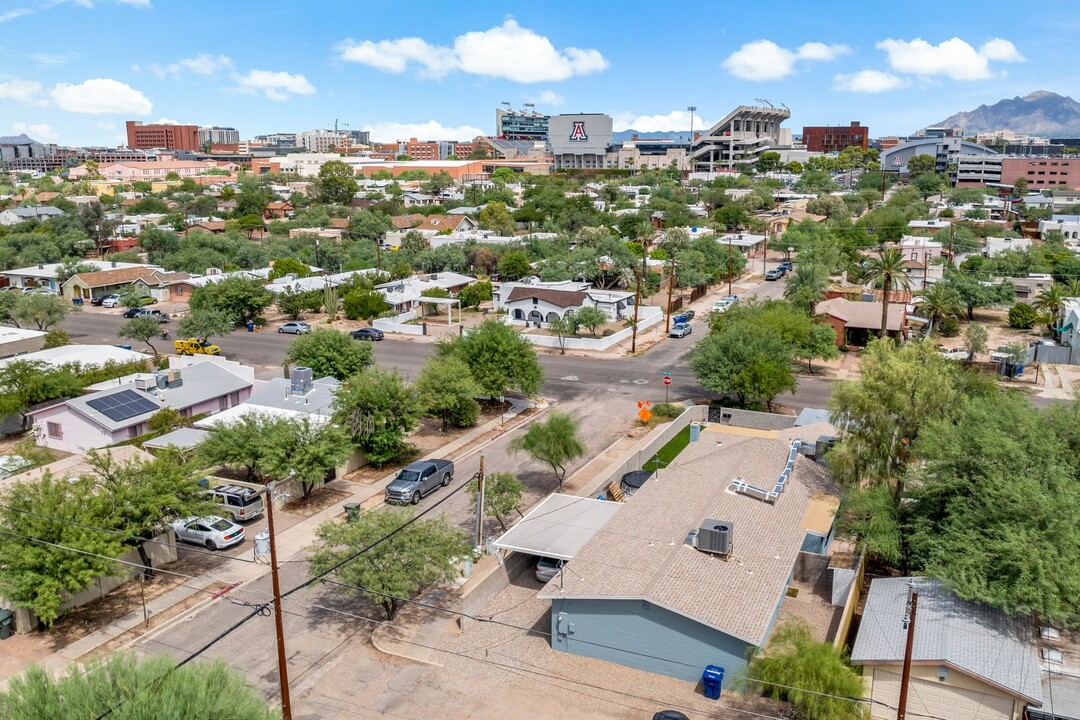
x=131, y=172
x=121, y=409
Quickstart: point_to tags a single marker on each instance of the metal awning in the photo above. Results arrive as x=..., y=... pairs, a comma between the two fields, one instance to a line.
x=559, y=526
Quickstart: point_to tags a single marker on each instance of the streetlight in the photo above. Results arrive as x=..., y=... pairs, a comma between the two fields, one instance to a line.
x=690, y=146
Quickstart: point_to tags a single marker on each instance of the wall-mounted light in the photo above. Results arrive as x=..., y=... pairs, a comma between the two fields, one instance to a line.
x=942, y=673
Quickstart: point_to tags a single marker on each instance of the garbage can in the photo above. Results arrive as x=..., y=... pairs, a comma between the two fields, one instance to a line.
x=695, y=432
x=77, y=301
x=250, y=326
x=711, y=680
x=352, y=511
x=124, y=347
x=7, y=623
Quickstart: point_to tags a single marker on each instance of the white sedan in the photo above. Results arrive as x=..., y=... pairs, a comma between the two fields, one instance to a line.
x=212, y=531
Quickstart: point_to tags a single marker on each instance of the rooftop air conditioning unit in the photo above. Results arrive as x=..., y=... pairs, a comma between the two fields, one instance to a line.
x=715, y=536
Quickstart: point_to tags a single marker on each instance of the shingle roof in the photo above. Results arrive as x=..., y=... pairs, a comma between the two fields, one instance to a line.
x=119, y=276
x=971, y=637
x=559, y=298
x=865, y=315
x=642, y=553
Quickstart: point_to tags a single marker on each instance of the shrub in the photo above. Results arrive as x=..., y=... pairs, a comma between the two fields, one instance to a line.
x=844, y=349
x=950, y=327
x=666, y=411
x=56, y=338
x=1022, y=316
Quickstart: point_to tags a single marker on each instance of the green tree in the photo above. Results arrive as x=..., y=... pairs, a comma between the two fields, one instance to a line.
x=813, y=676
x=514, y=265
x=448, y=391
x=379, y=408
x=807, y=285
x=396, y=563
x=592, y=318
x=820, y=344
x=56, y=337
x=8, y=301
x=141, y=329
x=241, y=299
x=921, y=164
x=563, y=326
x=330, y=353
x=205, y=323
x=36, y=575
x=476, y=293
x=503, y=175
x=886, y=270
x=288, y=266
x=939, y=302
x=1050, y=299
x=496, y=217
x=336, y=183
x=502, y=495
x=555, y=442
x=768, y=162
x=129, y=688
x=1022, y=316
x=499, y=359
x=41, y=310
x=975, y=340
x=307, y=449
x=743, y=360
x=26, y=382
x=364, y=304
x=976, y=293
x=246, y=444
x=293, y=303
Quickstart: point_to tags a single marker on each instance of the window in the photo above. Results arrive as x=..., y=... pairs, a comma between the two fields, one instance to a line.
x=55, y=430
x=223, y=403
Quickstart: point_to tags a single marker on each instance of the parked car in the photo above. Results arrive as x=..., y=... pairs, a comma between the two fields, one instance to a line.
x=194, y=346
x=101, y=299
x=370, y=334
x=680, y=330
x=774, y=274
x=295, y=328
x=35, y=290
x=953, y=353
x=724, y=303
x=212, y=531
x=143, y=312
x=418, y=479
x=242, y=503
x=547, y=569
x=669, y=715
x=786, y=267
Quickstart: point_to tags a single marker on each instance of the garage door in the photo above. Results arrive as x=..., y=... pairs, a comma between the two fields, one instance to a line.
x=929, y=698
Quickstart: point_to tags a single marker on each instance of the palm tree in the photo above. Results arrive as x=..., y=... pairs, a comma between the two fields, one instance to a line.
x=1073, y=288
x=1051, y=298
x=940, y=302
x=887, y=272
x=807, y=286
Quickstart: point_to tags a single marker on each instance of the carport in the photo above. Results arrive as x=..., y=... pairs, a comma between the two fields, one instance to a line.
x=558, y=527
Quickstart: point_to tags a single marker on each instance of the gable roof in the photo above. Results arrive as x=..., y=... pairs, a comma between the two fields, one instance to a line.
x=559, y=298
x=119, y=276
x=406, y=222
x=863, y=315
x=642, y=553
x=971, y=637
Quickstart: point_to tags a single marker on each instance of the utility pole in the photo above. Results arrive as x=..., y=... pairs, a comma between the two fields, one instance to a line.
x=378, y=254
x=480, y=504
x=909, y=624
x=882, y=182
x=925, y=264
x=765, y=254
x=670, y=289
x=729, y=265
x=283, y=668
x=637, y=292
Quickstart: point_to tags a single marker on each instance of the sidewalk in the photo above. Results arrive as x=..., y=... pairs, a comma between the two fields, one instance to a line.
x=290, y=543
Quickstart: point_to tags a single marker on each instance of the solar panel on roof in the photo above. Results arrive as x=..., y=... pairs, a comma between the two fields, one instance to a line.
x=123, y=405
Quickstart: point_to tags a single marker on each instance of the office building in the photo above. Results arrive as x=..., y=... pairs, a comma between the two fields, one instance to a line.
x=322, y=141
x=218, y=135
x=834, y=138
x=521, y=125
x=580, y=141
x=740, y=137
x=162, y=137
x=277, y=140
x=359, y=137
x=1042, y=172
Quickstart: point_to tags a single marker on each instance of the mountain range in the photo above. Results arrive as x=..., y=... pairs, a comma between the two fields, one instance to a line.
x=1040, y=113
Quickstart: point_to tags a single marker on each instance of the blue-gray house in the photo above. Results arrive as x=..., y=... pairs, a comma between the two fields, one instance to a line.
x=642, y=594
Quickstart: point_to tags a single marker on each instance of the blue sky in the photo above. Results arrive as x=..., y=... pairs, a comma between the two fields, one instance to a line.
x=74, y=70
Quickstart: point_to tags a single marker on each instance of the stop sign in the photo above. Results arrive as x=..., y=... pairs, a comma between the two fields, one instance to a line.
x=667, y=379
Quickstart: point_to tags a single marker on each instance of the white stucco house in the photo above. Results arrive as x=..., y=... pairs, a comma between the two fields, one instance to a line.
x=526, y=303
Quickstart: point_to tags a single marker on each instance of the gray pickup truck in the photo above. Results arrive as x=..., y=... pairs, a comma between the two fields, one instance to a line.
x=418, y=479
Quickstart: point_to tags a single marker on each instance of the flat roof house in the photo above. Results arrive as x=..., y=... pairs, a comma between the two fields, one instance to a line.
x=694, y=568
x=968, y=661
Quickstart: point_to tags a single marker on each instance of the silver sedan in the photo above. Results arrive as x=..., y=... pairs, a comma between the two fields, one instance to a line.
x=213, y=532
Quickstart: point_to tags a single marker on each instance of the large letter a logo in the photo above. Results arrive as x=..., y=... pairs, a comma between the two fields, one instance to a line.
x=578, y=133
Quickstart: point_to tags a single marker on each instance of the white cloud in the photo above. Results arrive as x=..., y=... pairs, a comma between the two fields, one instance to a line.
x=27, y=91
x=101, y=96
x=765, y=60
x=141, y=4
x=105, y=125
x=676, y=120
x=547, y=97
x=506, y=51
x=430, y=130
x=167, y=121
x=16, y=13
x=201, y=64
x=866, y=81
x=38, y=131
x=275, y=85
x=53, y=59
x=955, y=58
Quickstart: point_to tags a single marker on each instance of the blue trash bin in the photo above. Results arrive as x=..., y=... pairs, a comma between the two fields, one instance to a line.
x=250, y=326
x=711, y=680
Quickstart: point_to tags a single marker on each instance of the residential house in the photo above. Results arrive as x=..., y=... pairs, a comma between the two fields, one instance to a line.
x=428, y=226
x=997, y=245
x=41, y=213
x=174, y=287
x=932, y=225
x=226, y=207
x=84, y=355
x=922, y=260
x=855, y=323
x=278, y=210
x=1067, y=225
x=45, y=275
x=968, y=660
x=214, y=227
x=1069, y=322
x=695, y=569
x=121, y=412
x=404, y=295
x=335, y=234
x=1029, y=288
x=105, y=282
x=415, y=199
x=19, y=341
x=525, y=303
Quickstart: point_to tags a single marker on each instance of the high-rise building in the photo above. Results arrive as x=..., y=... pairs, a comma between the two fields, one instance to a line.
x=162, y=137
x=359, y=137
x=521, y=125
x=277, y=140
x=834, y=138
x=580, y=140
x=321, y=141
x=218, y=135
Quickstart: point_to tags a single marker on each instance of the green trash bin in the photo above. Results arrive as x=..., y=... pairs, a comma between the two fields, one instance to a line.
x=7, y=623
x=352, y=511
